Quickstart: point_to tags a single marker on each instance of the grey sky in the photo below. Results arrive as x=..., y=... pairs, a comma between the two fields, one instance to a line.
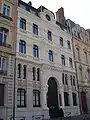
x=76, y=10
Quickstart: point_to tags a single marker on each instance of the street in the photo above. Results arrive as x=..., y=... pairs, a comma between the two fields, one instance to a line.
x=80, y=117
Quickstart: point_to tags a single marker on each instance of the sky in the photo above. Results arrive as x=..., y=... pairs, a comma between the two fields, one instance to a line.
x=76, y=10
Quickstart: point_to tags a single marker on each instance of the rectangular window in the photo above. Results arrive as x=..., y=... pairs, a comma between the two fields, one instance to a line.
x=38, y=74
x=50, y=54
x=68, y=44
x=35, y=29
x=66, y=99
x=22, y=46
x=21, y=98
x=74, y=80
x=49, y=35
x=24, y=71
x=86, y=60
x=78, y=53
x=71, y=79
x=6, y=10
x=66, y=82
x=3, y=36
x=63, y=59
x=36, y=98
x=35, y=51
x=61, y=41
x=63, y=78
x=74, y=99
x=3, y=64
x=70, y=62
x=19, y=71
x=34, y=72
x=23, y=23
x=1, y=94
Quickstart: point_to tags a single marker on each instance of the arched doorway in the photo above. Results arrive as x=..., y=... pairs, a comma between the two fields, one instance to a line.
x=84, y=102
x=52, y=98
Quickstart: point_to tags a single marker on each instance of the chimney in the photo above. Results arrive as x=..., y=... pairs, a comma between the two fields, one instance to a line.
x=60, y=16
x=30, y=3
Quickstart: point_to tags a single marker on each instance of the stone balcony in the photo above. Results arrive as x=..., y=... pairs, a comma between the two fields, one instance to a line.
x=3, y=112
x=6, y=48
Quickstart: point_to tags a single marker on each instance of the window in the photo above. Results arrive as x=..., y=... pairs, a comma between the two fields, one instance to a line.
x=78, y=54
x=63, y=59
x=86, y=60
x=35, y=51
x=6, y=10
x=24, y=71
x=23, y=23
x=61, y=41
x=70, y=62
x=74, y=80
x=3, y=36
x=35, y=29
x=68, y=44
x=50, y=54
x=49, y=35
x=63, y=78
x=38, y=74
x=19, y=71
x=34, y=71
x=3, y=64
x=1, y=94
x=36, y=98
x=74, y=99
x=80, y=73
x=71, y=79
x=22, y=46
x=66, y=82
x=21, y=98
x=66, y=99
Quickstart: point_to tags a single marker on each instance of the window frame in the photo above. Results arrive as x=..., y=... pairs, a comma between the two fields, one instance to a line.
x=49, y=34
x=61, y=41
x=22, y=23
x=24, y=71
x=50, y=55
x=74, y=97
x=35, y=51
x=6, y=10
x=20, y=91
x=19, y=70
x=22, y=46
x=3, y=69
x=2, y=94
x=63, y=59
x=68, y=44
x=66, y=99
x=35, y=29
x=70, y=62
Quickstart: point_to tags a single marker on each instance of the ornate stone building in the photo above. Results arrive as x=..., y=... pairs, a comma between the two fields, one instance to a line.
x=7, y=56
x=45, y=71
x=81, y=46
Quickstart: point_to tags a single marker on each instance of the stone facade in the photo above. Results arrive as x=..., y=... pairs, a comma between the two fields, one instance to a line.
x=7, y=56
x=81, y=45
x=44, y=20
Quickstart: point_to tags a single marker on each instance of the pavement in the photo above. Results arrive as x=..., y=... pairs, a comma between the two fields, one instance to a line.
x=79, y=117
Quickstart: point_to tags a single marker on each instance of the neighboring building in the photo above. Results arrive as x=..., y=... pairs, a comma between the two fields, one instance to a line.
x=45, y=71
x=7, y=56
x=81, y=45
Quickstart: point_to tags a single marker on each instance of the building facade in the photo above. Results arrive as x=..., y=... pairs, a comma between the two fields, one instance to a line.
x=7, y=56
x=81, y=46
x=45, y=71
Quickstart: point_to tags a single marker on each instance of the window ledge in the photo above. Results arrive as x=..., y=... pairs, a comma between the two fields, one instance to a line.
x=2, y=72
x=34, y=35
x=36, y=58
x=5, y=45
x=6, y=17
x=23, y=54
x=22, y=30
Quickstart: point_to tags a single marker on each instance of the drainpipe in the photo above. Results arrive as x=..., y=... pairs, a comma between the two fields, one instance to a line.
x=79, y=95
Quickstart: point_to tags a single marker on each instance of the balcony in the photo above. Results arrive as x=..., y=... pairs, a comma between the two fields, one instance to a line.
x=6, y=17
x=2, y=72
x=3, y=112
x=5, y=48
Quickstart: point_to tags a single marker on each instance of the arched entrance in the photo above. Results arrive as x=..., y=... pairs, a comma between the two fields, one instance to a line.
x=52, y=98
x=84, y=102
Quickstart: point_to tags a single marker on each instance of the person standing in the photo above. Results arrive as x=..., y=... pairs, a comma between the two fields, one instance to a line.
x=61, y=113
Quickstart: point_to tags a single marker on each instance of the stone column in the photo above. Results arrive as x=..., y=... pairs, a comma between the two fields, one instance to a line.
x=62, y=96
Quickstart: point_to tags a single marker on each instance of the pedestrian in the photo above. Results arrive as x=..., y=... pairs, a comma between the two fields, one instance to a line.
x=61, y=113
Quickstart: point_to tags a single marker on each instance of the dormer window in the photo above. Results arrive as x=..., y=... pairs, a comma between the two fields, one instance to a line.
x=48, y=17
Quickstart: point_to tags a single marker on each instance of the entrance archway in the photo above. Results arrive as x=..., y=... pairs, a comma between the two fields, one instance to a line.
x=84, y=102
x=52, y=98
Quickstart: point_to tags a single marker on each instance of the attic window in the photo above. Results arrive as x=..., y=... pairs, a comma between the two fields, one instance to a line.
x=48, y=17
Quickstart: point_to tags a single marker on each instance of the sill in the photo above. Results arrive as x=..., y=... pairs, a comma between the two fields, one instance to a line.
x=35, y=35
x=5, y=45
x=23, y=54
x=36, y=58
x=36, y=105
x=22, y=30
x=6, y=17
x=21, y=106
